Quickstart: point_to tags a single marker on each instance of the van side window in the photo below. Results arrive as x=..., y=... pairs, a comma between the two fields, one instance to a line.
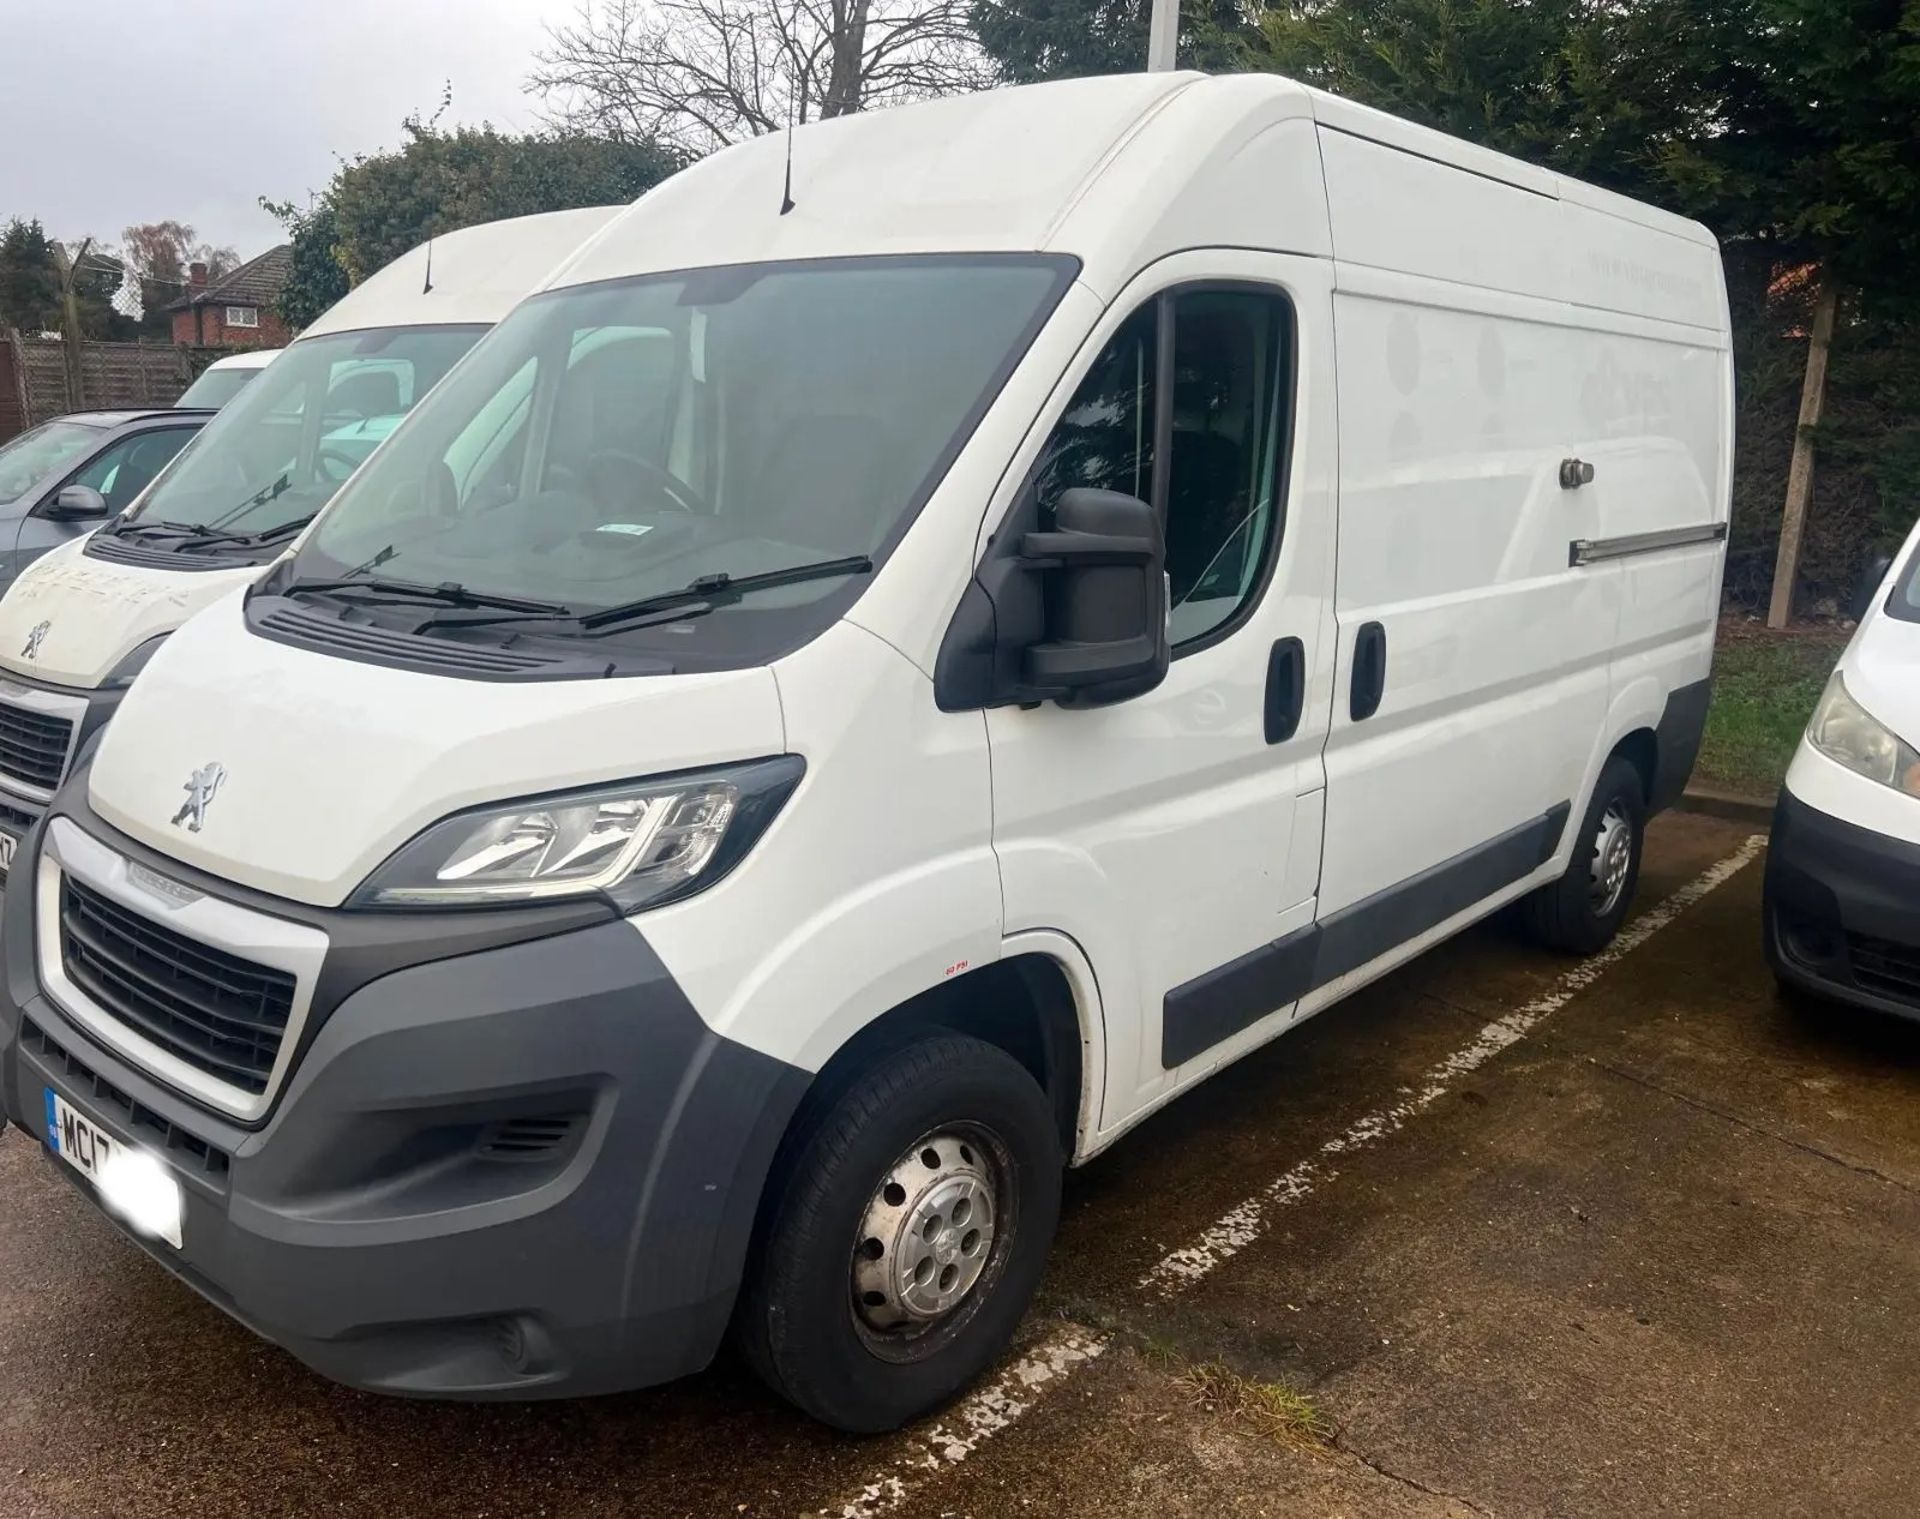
x=1105, y=439
x=1230, y=406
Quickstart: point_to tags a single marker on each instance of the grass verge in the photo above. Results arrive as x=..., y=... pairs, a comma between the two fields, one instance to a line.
x=1765, y=687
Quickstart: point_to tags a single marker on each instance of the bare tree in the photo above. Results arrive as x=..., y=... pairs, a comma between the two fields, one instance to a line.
x=698, y=74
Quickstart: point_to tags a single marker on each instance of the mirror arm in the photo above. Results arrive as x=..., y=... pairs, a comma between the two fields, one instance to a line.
x=1071, y=550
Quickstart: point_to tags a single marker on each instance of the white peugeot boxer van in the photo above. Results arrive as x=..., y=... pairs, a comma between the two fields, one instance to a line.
x=224, y=379
x=79, y=624
x=839, y=706
x=1843, y=865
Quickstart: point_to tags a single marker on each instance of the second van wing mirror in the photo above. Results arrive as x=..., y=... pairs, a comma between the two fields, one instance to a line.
x=78, y=503
x=1104, y=567
x=1868, y=585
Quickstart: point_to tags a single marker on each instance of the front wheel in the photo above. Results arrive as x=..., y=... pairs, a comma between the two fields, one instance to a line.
x=907, y=1231
x=1582, y=911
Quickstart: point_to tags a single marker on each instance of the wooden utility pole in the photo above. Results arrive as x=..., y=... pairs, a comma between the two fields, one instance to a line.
x=70, y=321
x=1813, y=399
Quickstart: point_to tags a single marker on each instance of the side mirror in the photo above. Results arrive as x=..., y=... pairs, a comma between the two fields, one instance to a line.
x=1104, y=568
x=78, y=503
x=1872, y=573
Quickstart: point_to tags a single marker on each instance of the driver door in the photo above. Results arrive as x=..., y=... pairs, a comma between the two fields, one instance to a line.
x=1176, y=835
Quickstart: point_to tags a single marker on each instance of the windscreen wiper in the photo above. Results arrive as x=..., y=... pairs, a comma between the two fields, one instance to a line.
x=447, y=593
x=266, y=535
x=720, y=589
x=696, y=598
x=139, y=528
x=259, y=498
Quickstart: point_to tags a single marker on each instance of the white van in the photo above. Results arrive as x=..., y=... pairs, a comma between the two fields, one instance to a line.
x=224, y=379
x=79, y=624
x=833, y=711
x=1843, y=865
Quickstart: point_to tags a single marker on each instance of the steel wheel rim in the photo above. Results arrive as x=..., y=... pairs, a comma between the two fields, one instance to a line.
x=932, y=1233
x=1612, y=860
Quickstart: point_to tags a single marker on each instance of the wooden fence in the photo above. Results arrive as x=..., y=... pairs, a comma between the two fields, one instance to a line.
x=33, y=377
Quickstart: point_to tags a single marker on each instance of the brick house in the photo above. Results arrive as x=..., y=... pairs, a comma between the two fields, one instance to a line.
x=236, y=310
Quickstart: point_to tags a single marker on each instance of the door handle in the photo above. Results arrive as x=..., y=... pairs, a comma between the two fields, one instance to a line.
x=1369, y=671
x=1286, y=689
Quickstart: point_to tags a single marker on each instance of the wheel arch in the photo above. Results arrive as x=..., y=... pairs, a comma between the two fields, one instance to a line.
x=1641, y=749
x=1039, y=1002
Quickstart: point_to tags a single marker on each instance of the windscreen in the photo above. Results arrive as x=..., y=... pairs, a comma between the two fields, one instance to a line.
x=38, y=454
x=615, y=441
x=278, y=453
x=217, y=386
x=1904, y=603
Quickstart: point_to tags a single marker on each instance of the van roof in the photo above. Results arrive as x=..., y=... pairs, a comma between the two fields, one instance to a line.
x=966, y=174
x=251, y=358
x=479, y=274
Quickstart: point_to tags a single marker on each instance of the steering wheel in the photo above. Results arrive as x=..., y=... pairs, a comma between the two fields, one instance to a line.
x=346, y=462
x=676, y=491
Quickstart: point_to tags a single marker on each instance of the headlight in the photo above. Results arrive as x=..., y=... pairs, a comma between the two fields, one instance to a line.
x=1848, y=734
x=640, y=844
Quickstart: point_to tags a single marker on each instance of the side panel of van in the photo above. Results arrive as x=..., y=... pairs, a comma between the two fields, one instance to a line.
x=1658, y=397
x=1481, y=358
x=1455, y=774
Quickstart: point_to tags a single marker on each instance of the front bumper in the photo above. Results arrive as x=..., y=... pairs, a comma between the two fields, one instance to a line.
x=529, y=1170
x=1842, y=909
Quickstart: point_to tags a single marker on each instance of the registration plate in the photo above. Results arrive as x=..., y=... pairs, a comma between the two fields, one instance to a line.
x=132, y=1185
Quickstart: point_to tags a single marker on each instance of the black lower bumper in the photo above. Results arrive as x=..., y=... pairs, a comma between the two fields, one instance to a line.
x=1842, y=910
x=526, y=1171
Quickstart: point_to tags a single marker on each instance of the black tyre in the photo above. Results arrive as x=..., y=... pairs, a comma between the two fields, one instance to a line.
x=906, y=1229
x=1583, y=910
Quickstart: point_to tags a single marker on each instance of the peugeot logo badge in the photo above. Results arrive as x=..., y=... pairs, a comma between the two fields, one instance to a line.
x=199, y=788
x=35, y=638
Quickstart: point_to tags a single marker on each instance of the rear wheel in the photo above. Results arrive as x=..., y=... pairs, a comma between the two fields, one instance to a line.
x=906, y=1231
x=1582, y=911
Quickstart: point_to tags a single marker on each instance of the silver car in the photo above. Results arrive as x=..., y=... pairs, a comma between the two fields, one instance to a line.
x=65, y=477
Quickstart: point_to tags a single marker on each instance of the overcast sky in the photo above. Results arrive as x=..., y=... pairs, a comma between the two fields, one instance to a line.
x=121, y=111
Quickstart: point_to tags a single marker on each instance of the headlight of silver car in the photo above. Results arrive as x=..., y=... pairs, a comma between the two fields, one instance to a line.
x=1848, y=734
x=640, y=844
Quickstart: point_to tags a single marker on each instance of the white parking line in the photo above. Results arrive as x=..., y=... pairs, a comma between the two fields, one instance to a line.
x=976, y=1418
x=999, y=1404
x=1240, y=1226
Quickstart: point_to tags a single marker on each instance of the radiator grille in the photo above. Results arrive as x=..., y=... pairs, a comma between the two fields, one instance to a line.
x=34, y=745
x=217, y=1012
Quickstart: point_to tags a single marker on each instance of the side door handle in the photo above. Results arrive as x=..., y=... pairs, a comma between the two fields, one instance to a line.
x=1286, y=689
x=1369, y=671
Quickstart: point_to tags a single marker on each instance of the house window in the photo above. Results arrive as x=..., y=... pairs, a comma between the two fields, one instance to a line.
x=243, y=316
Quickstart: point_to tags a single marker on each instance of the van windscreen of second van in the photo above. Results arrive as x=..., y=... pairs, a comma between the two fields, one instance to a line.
x=1904, y=602
x=622, y=440
x=280, y=449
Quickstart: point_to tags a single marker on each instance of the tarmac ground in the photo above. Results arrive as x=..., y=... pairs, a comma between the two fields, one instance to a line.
x=1502, y=1234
